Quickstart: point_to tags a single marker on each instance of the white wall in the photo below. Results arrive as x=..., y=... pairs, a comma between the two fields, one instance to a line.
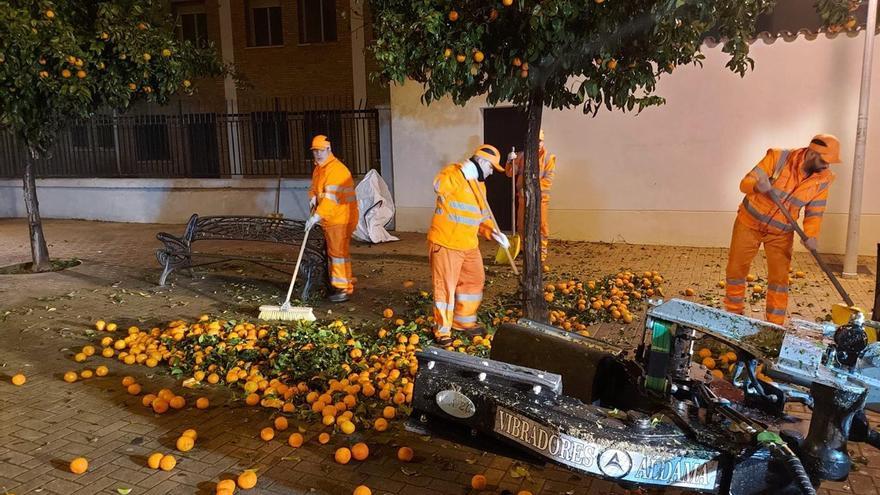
x=671, y=174
x=156, y=200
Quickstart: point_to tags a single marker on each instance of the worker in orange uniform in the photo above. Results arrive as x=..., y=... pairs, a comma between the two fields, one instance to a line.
x=800, y=179
x=546, y=171
x=461, y=214
x=333, y=201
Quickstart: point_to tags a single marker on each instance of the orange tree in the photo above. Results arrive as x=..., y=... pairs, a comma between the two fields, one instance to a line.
x=559, y=54
x=67, y=59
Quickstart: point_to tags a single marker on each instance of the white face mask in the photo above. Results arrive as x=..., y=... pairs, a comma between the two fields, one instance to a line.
x=485, y=167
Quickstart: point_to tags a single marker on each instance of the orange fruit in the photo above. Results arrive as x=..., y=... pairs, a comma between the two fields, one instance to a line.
x=167, y=463
x=154, y=460
x=134, y=389
x=751, y=277
x=757, y=289
x=148, y=399
x=381, y=424
x=405, y=454
x=342, y=455
x=88, y=350
x=79, y=465
x=347, y=427
x=111, y=327
x=717, y=374
x=108, y=352
x=177, y=402
x=507, y=3
x=247, y=480
x=731, y=357
x=323, y=438
x=191, y=433
x=70, y=376
x=228, y=485
x=409, y=283
x=100, y=325
x=689, y=292
x=281, y=423
x=160, y=405
x=460, y=58
x=128, y=380
x=267, y=434
x=362, y=490
x=453, y=15
x=213, y=378
x=252, y=399
x=65, y=73
x=479, y=56
x=101, y=371
x=523, y=492
x=704, y=353
x=202, y=403
x=86, y=374
x=295, y=440
x=478, y=482
x=389, y=412
x=388, y=313
x=709, y=363
x=18, y=380
x=185, y=444
x=79, y=357
x=360, y=451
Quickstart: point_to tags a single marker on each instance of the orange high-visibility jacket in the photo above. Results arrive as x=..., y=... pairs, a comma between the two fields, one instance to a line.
x=333, y=185
x=460, y=213
x=547, y=170
x=784, y=169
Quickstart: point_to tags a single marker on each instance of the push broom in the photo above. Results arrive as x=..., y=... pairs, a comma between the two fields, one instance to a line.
x=515, y=241
x=287, y=312
x=840, y=312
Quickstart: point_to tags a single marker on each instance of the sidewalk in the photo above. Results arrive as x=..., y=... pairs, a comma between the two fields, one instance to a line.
x=47, y=422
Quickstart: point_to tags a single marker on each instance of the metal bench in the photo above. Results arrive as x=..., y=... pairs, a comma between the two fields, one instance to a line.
x=178, y=251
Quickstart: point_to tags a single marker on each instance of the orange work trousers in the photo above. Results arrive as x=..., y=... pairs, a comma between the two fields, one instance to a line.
x=338, y=238
x=744, y=245
x=545, y=226
x=458, y=287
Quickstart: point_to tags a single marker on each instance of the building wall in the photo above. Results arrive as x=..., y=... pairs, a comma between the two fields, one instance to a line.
x=669, y=175
x=156, y=200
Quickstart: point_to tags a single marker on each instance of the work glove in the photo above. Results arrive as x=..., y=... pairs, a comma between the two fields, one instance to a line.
x=763, y=185
x=314, y=219
x=469, y=170
x=313, y=201
x=811, y=243
x=501, y=239
x=511, y=156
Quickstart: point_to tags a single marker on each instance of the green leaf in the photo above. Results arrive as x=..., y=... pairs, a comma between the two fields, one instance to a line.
x=123, y=491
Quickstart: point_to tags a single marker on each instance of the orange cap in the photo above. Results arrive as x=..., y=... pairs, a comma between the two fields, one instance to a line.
x=490, y=153
x=320, y=142
x=827, y=146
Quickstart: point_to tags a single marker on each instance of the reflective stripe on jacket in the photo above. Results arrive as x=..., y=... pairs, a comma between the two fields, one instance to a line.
x=784, y=169
x=333, y=186
x=460, y=214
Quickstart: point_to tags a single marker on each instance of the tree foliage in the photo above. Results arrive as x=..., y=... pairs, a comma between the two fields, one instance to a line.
x=593, y=53
x=66, y=59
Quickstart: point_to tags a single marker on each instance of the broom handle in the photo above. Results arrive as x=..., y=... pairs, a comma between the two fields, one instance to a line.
x=803, y=236
x=513, y=192
x=492, y=216
x=296, y=270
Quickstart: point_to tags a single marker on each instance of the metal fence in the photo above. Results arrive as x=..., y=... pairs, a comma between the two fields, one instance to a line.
x=189, y=139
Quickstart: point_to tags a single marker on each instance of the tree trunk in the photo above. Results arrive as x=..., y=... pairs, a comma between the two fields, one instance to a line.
x=534, y=305
x=39, y=251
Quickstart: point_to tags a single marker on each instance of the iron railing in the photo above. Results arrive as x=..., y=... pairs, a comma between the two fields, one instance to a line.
x=250, y=138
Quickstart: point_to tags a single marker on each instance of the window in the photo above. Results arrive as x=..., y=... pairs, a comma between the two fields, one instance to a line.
x=317, y=21
x=271, y=136
x=151, y=136
x=264, y=23
x=194, y=28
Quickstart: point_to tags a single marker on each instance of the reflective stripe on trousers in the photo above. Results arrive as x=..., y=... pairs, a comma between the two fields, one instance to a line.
x=338, y=238
x=458, y=279
x=744, y=245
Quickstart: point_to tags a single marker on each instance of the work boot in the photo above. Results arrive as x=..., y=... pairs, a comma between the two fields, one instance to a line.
x=339, y=296
x=473, y=331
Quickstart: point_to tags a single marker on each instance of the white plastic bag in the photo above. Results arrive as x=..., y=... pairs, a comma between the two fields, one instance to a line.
x=375, y=209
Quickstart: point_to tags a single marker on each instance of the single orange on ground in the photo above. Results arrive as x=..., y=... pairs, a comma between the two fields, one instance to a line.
x=79, y=465
x=478, y=482
x=247, y=480
x=405, y=454
x=342, y=455
x=360, y=451
x=154, y=460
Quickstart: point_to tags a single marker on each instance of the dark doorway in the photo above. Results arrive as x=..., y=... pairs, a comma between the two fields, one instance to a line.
x=503, y=128
x=204, y=154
